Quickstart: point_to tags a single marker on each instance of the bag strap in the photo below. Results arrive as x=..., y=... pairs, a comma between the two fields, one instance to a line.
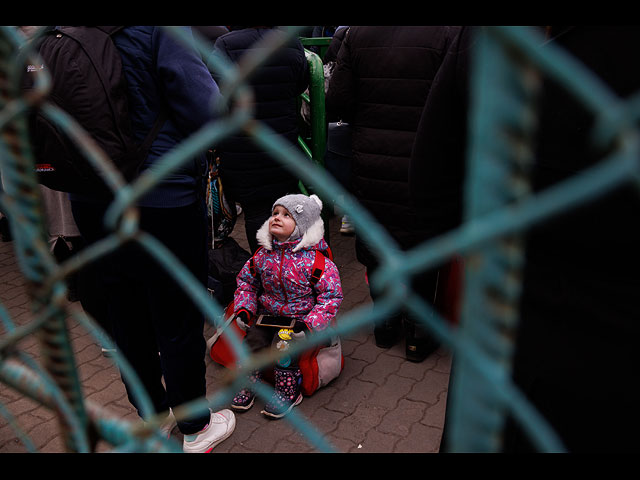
x=153, y=133
x=162, y=116
x=110, y=30
x=317, y=269
x=329, y=253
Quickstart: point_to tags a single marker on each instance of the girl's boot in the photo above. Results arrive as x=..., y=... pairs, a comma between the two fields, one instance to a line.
x=245, y=397
x=287, y=392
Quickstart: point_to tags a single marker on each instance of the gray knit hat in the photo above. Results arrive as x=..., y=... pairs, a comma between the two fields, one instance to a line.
x=305, y=211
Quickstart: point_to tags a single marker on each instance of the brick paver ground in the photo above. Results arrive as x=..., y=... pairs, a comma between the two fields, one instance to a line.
x=381, y=403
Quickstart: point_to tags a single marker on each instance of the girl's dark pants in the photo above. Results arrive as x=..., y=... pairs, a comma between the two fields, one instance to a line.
x=259, y=338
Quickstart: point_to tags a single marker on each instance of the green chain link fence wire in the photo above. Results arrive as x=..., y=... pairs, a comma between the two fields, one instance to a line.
x=499, y=206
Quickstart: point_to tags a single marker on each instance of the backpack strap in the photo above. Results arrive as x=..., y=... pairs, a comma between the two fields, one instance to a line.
x=110, y=30
x=143, y=148
x=317, y=269
x=252, y=266
x=318, y=265
x=329, y=253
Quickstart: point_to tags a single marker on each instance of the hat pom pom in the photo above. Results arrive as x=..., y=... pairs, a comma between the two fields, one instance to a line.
x=317, y=199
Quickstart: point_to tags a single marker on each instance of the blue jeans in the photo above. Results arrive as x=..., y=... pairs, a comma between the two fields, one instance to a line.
x=155, y=324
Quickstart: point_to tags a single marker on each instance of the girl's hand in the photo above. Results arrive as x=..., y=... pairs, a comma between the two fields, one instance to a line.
x=242, y=320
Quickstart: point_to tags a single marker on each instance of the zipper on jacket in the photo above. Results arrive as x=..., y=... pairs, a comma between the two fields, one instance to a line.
x=284, y=291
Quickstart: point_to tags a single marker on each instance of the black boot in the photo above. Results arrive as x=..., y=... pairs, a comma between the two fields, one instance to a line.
x=387, y=332
x=419, y=343
x=5, y=230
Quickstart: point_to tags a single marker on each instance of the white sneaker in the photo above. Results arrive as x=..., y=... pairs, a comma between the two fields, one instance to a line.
x=168, y=425
x=221, y=426
x=108, y=352
x=346, y=226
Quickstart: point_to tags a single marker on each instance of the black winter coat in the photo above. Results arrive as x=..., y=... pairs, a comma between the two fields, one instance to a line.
x=379, y=85
x=436, y=169
x=581, y=283
x=576, y=350
x=249, y=174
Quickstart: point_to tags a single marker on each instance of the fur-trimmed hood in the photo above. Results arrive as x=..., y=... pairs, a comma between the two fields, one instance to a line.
x=311, y=238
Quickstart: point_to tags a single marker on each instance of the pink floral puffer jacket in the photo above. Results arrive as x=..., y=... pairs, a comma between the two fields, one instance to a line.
x=281, y=284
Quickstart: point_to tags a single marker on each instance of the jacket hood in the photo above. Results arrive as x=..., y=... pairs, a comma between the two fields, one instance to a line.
x=311, y=238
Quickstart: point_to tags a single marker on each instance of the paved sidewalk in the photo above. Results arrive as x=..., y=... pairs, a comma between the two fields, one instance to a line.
x=381, y=403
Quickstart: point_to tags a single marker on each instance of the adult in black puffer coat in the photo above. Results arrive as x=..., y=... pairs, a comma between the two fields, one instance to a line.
x=576, y=349
x=379, y=86
x=251, y=176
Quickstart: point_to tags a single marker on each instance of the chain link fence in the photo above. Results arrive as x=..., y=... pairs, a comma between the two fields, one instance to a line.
x=499, y=206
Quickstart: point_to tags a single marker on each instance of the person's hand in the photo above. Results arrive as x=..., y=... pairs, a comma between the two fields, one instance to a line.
x=299, y=336
x=242, y=320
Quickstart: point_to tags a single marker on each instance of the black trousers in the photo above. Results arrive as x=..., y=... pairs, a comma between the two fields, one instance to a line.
x=155, y=324
x=424, y=284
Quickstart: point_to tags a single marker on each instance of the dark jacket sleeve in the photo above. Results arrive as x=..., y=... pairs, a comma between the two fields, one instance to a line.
x=436, y=171
x=186, y=82
x=304, y=77
x=334, y=46
x=340, y=101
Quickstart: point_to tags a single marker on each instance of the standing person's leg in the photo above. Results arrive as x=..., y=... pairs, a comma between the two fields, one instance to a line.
x=92, y=295
x=126, y=296
x=419, y=342
x=5, y=229
x=254, y=217
x=89, y=220
x=124, y=307
x=140, y=295
x=387, y=331
x=177, y=322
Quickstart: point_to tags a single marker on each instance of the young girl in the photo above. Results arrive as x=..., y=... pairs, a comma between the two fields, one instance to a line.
x=277, y=281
